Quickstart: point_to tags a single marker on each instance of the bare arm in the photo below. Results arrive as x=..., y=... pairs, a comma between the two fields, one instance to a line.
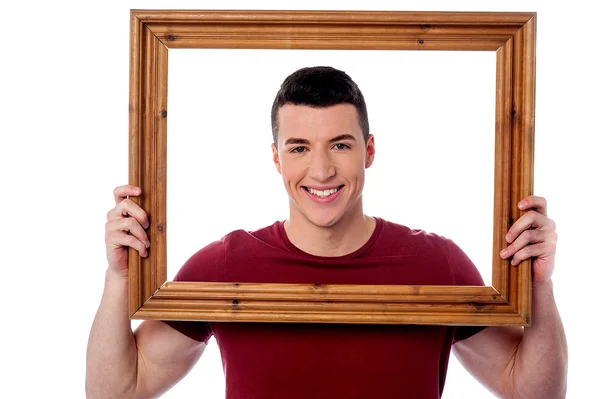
x=513, y=362
x=121, y=363
x=532, y=362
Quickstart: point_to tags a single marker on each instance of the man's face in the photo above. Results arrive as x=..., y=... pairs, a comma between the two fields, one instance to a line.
x=322, y=157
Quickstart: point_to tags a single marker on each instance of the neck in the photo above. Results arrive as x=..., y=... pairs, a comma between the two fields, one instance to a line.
x=344, y=237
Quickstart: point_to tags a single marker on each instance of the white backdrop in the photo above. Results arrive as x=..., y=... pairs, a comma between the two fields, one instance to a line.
x=432, y=115
x=64, y=89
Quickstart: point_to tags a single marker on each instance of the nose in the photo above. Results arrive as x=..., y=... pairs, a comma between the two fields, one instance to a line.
x=322, y=167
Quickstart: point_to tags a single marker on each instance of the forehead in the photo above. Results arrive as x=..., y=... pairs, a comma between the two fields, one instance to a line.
x=295, y=120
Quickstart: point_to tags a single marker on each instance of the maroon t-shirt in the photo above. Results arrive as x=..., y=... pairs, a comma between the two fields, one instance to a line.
x=312, y=360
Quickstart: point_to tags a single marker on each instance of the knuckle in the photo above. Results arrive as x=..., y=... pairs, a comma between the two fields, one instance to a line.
x=109, y=226
x=516, y=260
x=130, y=222
x=111, y=237
x=136, y=244
x=130, y=241
x=139, y=246
x=546, y=247
x=523, y=253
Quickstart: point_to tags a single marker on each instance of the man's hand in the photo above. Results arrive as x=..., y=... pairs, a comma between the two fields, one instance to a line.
x=533, y=235
x=517, y=362
x=125, y=227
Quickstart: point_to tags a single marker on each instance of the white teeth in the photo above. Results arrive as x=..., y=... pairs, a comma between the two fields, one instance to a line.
x=322, y=194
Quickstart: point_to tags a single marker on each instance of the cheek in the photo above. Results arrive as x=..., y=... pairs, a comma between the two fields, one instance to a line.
x=358, y=179
x=355, y=171
x=291, y=173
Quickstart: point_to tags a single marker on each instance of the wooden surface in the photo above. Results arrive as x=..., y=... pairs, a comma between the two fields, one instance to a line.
x=510, y=35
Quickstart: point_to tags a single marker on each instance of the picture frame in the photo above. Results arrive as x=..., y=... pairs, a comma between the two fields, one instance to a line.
x=510, y=34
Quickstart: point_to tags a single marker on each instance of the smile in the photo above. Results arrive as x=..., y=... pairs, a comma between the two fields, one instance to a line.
x=322, y=193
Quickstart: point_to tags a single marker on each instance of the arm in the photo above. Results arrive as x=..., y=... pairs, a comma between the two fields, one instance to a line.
x=513, y=362
x=121, y=363
x=124, y=364
x=531, y=362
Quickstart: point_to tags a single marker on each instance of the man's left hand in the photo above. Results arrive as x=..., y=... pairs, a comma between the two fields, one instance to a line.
x=533, y=235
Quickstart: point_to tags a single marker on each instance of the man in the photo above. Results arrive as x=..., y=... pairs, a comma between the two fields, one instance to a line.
x=321, y=147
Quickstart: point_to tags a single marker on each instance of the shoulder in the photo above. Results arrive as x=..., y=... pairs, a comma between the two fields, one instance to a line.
x=418, y=242
x=209, y=263
x=395, y=234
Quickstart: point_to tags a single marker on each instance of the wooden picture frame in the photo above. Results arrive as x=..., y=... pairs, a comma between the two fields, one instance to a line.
x=511, y=35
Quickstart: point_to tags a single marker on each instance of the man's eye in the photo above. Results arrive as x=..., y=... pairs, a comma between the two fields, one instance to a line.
x=341, y=146
x=298, y=150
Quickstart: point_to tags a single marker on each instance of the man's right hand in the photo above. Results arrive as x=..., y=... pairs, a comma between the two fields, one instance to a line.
x=125, y=227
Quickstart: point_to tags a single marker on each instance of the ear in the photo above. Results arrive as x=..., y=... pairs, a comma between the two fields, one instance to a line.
x=370, y=151
x=276, y=158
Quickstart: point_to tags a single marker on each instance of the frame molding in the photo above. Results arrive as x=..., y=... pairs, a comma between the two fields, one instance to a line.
x=510, y=35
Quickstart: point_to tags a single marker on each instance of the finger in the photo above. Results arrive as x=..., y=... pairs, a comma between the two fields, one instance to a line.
x=122, y=192
x=128, y=208
x=534, y=202
x=131, y=226
x=120, y=239
x=531, y=219
x=530, y=251
x=524, y=239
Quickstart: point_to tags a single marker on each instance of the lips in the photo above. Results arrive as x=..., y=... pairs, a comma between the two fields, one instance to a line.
x=328, y=197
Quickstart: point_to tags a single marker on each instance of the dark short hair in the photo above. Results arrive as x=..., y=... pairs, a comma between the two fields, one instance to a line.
x=320, y=86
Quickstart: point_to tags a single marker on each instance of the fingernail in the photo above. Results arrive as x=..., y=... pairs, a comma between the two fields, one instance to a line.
x=147, y=244
x=503, y=252
x=508, y=237
x=521, y=205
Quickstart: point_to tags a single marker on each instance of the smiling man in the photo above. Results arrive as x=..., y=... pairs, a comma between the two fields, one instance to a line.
x=321, y=154
x=321, y=147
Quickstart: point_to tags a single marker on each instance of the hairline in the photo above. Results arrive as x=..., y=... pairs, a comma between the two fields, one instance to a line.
x=276, y=126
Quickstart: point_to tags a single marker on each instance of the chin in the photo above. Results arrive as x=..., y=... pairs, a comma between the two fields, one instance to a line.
x=324, y=220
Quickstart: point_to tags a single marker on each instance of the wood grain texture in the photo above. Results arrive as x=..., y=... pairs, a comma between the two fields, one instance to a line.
x=147, y=155
x=511, y=35
x=502, y=164
x=339, y=30
x=136, y=153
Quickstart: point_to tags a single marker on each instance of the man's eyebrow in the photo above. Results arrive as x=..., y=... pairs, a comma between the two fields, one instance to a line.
x=293, y=140
x=341, y=137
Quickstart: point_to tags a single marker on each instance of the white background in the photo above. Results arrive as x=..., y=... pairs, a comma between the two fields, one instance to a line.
x=64, y=97
x=431, y=112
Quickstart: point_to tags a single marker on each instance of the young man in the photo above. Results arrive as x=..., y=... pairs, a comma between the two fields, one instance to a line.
x=321, y=147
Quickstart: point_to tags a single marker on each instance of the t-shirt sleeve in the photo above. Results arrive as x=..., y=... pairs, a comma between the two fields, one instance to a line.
x=465, y=273
x=208, y=264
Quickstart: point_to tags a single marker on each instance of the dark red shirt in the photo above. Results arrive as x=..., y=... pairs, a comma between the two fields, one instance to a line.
x=307, y=360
